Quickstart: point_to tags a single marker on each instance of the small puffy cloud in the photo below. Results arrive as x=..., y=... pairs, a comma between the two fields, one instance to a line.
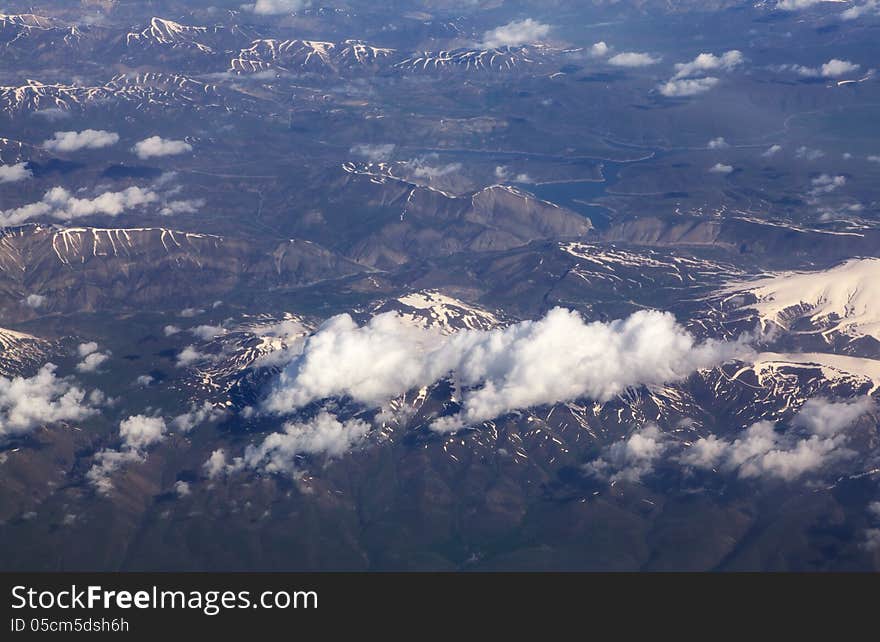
x=771, y=151
x=834, y=68
x=138, y=433
x=632, y=459
x=827, y=418
x=707, y=62
x=188, y=356
x=14, y=173
x=600, y=50
x=874, y=158
x=826, y=183
x=86, y=139
x=208, y=332
x=721, y=168
x=145, y=380
x=517, y=32
x=717, y=143
x=632, y=59
x=805, y=153
x=275, y=7
x=375, y=153
x=92, y=362
x=557, y=358
x=29, y=402
x=188, y=313
x=216, y=464
x=424, y=168
x=156, y=146
x=35, y=301
x=765, y=452
x=188, y=206
x=60, y=204
x=687, y=87
x=182, y=489
x=85, y=349
x=196, y=416
x=170, y=330
x=325, y=435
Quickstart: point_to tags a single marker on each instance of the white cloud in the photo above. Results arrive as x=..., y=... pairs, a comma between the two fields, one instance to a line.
x=188, y=206
x=60, y=204
x=834, y=68
x=208, y=332
x=35, y=301
x=422, y=168
x=772, y=151
x=632, y=59
x=517, y=32
x=145, y=380
x=721, y=168
x=275, y=7
x=324, y=435
x=718, y=143
x=687, y=87
x=92, y=362
x=874, y=158
x=86, y=139
x=859, y=10
x=189, y=313
x=794, y=5
x=806, y=153
x=706, y=62
x=138, y=433
x=600, y=50
x=763, y=451
x=158, y=146
x=197, y=416
x=27, y=403
x=182, y=489
x=14, y=173
x=631, y=459
x=170, y=330
x=85, y=349
x=825, y=184
x=558, y=358
x=188, y=356
x=216, y=464
x=375, y=153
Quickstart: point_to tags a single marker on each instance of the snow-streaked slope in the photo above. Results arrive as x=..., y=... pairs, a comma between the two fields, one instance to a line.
x=844, y=299
x=430, y=308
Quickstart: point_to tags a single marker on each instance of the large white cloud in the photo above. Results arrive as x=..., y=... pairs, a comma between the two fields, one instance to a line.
x=157, y=146
x=558, y=358
x=630, y=459
x=14, y=173
x=517, y=32
x=58, y=203
x=86, y=139
x=29, y=402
